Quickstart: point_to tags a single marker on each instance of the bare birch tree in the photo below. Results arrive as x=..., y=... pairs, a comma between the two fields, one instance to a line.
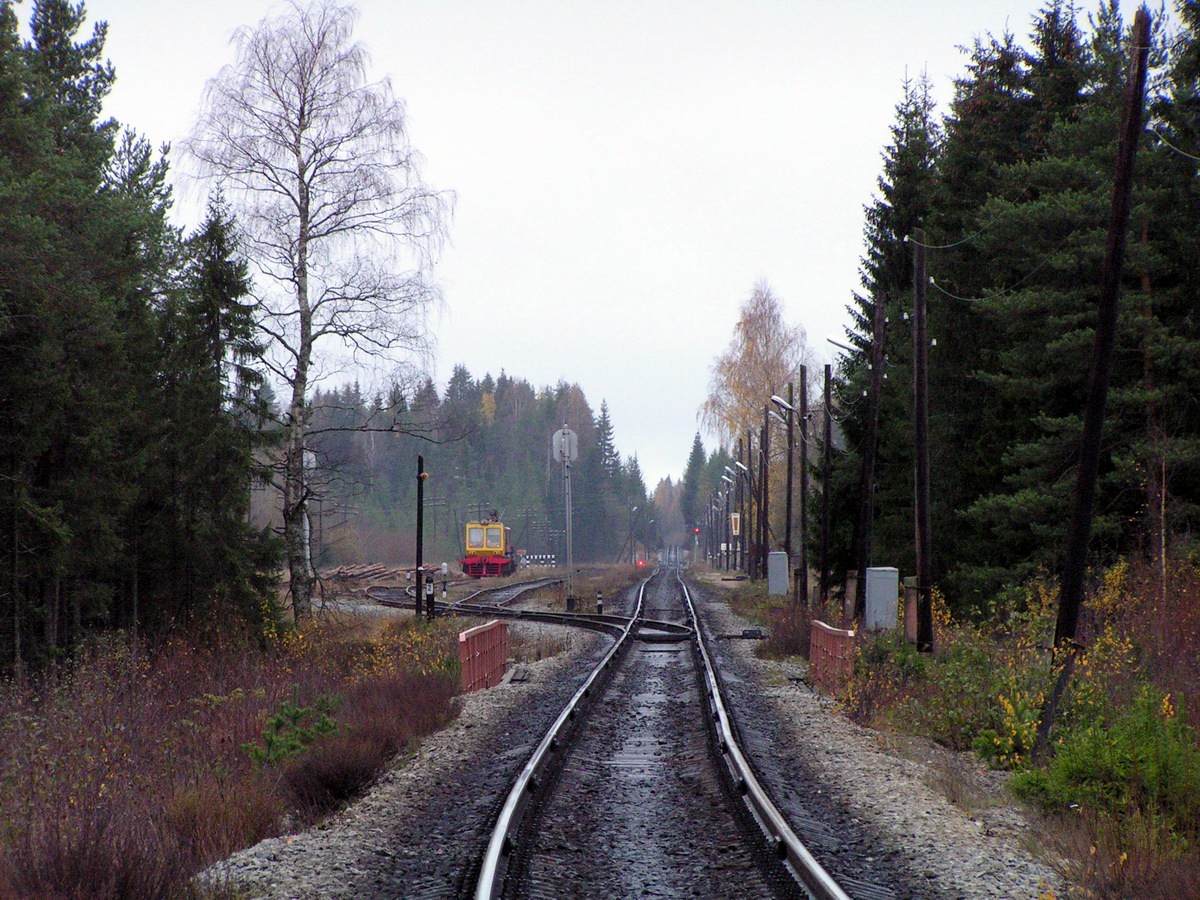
x=316, y=163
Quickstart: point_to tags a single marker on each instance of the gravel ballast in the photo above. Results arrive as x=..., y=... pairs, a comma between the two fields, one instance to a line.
x=877, y=803
x=886, y=794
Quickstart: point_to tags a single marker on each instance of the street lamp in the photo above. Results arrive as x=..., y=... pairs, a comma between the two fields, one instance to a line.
x=729, y=519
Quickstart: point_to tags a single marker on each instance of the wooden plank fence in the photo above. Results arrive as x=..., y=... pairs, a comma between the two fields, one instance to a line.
x=483, y=652
x=831, y=656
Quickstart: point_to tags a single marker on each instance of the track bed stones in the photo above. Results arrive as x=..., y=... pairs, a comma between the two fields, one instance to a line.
x=639, y=808
x=869, y=807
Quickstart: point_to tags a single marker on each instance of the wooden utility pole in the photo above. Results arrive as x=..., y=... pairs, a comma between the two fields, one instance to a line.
x=802, y=573
x=749, y=527
x=866, y=485
x=791, y=456
x=924, y=532
x=826, y=464
x=742, y=508
x=421, y=476
x=1079, y=532
x=764, y=528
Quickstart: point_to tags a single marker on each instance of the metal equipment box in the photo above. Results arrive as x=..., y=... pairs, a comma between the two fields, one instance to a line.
x=883, y=592
x=777, y=572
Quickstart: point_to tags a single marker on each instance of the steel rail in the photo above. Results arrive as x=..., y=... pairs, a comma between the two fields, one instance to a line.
x=491, y=872
x=524, y=586
x=775, y=827
x=610, y=622
x=667, y=631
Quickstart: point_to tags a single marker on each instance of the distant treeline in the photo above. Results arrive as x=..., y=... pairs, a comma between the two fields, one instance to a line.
x=486, y=444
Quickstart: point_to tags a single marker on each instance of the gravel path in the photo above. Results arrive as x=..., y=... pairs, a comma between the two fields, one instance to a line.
x=880, y=810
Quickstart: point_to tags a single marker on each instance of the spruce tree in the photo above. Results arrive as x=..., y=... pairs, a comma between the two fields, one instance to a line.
x=907, y=187
x=690, y=489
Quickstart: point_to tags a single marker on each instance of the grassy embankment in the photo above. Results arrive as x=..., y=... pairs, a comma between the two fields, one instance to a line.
x=128, y=770
x=1122, y=785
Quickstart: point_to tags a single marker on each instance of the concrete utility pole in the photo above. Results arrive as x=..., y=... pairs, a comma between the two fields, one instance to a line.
x=565, y=444
x=924, y=535
x=728, y=536
x=1083, y=509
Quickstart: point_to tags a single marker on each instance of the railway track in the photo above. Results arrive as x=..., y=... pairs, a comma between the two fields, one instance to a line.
x=499, y=596
x=640, y=787
x=495, y=602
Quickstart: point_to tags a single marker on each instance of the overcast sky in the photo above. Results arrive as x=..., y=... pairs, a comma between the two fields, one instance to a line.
x=625, y=171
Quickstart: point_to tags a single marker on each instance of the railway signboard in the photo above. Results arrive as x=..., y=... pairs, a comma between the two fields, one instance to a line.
x=566, y=445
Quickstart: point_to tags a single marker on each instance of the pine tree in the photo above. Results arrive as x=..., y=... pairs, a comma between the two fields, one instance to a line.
x=610, y=460
x=201, y=559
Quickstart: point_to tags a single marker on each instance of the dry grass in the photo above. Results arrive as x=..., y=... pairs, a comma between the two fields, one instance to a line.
x=1133, y=858
x=786, y=624
x=534, y=642
x=126, y=771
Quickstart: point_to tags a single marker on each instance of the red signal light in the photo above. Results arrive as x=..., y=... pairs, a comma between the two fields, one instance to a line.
x=695, y=531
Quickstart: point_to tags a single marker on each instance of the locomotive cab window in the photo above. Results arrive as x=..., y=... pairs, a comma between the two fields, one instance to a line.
x=495, y=537
x=475, y=537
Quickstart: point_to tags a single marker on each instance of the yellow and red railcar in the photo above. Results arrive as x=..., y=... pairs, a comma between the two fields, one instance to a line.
x=489, y=550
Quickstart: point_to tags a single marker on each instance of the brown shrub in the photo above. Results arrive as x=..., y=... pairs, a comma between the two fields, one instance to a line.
x=125, y=772
x=1130, y=858
x=377, y=720
x=220, y=815
x=790, y=631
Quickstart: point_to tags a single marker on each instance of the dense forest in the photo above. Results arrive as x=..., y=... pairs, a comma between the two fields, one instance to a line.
x=1013, y=186
x=131, y=406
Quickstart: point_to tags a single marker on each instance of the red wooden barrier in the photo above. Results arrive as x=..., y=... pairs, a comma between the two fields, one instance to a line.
x=483, y=652
x=830, y=656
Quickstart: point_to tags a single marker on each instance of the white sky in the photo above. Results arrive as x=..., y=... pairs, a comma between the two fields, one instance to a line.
x=625, y=170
